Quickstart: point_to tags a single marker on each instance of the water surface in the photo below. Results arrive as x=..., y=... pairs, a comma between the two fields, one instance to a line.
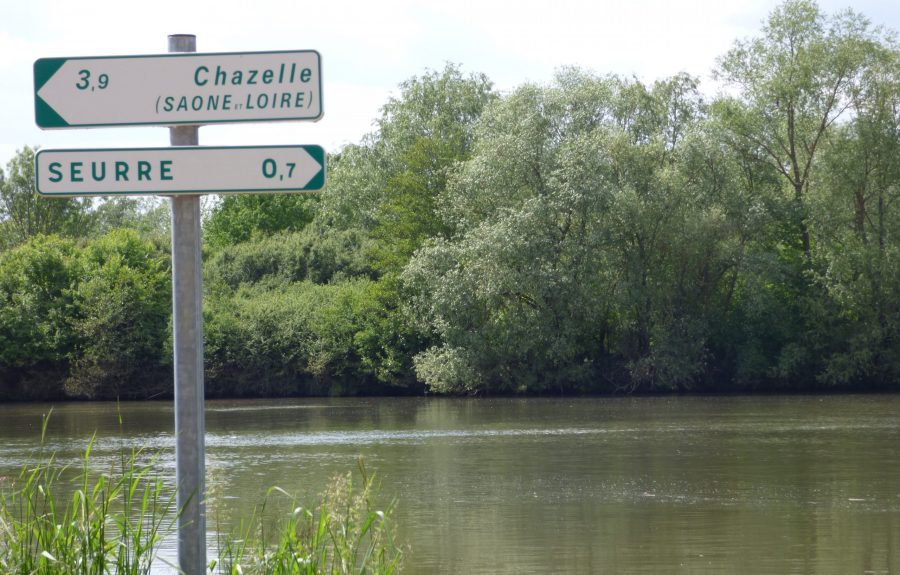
x=607, y=485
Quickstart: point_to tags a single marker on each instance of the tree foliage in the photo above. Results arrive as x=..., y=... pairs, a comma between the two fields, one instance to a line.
x=572, y=265
x=240, y=218
x=24, y=214
x=86, y=321
x=594, y=234
x=120, y=317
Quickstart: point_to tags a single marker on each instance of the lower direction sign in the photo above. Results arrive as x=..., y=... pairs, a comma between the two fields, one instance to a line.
x=180, y=170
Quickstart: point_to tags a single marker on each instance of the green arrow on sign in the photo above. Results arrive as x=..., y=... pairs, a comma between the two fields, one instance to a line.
x=46, y=116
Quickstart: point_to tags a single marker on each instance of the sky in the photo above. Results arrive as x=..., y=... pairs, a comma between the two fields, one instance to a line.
x=369, y=47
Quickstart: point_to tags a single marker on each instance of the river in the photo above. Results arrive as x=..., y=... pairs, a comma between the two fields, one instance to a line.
x=774, y=484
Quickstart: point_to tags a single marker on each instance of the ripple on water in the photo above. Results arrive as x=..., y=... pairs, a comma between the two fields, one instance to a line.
x=380, y=436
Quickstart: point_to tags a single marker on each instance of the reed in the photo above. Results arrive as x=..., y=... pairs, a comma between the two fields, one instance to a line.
x=73, y=519
x=58, y=519
x=344, y=533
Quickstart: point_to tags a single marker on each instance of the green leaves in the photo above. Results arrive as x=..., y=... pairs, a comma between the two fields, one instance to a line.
x=594, y=234
x=24, y=214
x=94, y=317
x=566, y=219
x=240, y=218
x=344, y=533
x=61, y=519
x=120, y=317
x=795, y=82
x=297, y=338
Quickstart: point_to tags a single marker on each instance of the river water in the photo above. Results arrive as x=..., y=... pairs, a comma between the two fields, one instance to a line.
x=600, y=485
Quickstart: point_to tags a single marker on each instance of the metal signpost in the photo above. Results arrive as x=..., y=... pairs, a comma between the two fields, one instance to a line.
x=187, y=337
x=181, y=90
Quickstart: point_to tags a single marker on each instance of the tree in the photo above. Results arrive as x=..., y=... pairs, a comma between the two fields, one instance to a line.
x=798, y=86
x=149, y=216
x=794, y=82
x=239, y=218
x=36, y=299
x=388, y=185
x=24, y=214
x=86, y=321
x=582, y=256
x=858, y=214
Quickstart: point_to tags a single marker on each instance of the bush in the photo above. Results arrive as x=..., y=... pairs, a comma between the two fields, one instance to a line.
x=82, y=321
x=123, y=306
x=288, y=340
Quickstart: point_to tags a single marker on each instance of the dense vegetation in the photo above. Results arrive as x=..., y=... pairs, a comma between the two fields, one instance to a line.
x=597, y=234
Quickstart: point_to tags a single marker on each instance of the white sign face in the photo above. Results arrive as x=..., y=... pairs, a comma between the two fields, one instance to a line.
x=180, y=170
x=180, y=88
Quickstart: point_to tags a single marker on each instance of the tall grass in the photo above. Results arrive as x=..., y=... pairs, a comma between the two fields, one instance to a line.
x=344, y=533
x=73, y=519
x=57, y=519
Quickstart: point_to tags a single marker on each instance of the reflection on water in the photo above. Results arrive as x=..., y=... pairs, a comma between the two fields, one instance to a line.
x=623, y=485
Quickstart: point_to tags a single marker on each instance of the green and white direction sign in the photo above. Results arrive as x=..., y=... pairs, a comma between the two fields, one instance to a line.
x=180, y=170
x=177, y=88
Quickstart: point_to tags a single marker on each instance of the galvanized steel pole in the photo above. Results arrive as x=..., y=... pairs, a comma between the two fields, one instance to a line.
x=187, y=308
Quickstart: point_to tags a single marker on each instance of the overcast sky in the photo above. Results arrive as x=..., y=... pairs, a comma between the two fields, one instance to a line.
x=369, y=47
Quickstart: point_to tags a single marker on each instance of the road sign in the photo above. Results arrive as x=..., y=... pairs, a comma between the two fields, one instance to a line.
x=180, y=170
x=178, y=88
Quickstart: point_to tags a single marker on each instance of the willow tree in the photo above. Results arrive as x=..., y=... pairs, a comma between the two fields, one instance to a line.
x=858, y=214
x=794, y=89
x=583, y=251
x=793, y=83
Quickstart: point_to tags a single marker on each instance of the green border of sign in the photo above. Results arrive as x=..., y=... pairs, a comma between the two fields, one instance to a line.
x=317, y=183
x=47, y=118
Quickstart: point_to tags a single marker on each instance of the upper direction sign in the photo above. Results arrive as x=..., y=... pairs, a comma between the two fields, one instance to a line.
x=180, y=170
x=180, y=88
